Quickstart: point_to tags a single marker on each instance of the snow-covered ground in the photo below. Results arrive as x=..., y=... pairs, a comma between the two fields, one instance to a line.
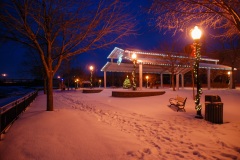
x=98, y=126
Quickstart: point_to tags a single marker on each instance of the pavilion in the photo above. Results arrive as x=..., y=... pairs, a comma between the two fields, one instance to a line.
x=151, y=62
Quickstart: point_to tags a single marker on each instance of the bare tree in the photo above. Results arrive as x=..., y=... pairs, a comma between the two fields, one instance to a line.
x=70, y=73
x=59, y=29
x=230, y=55
x=180, y=16
x=33, y=67
x=174, y=61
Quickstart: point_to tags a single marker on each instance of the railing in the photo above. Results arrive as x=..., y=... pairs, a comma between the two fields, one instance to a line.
x=10, y=112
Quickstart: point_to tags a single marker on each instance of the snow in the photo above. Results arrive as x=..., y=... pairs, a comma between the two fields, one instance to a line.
x=97, y=126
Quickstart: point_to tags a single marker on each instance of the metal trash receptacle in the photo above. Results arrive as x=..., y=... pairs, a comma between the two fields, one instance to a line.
x=213, y=109
x=212, y=98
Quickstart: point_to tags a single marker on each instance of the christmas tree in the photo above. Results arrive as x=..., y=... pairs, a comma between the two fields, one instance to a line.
x=127, y=83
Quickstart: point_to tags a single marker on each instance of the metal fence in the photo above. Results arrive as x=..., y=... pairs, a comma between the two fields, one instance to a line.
x=10, y=112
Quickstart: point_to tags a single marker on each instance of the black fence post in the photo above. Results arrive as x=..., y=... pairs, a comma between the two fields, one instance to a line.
x=10, y=112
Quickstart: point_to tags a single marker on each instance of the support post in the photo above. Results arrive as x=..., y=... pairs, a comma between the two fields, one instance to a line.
x=105, y=79
x=209, y=78
x=182, y=80
x=231, y=81
x=161, y=80
x=140, y=76
x=177, y=81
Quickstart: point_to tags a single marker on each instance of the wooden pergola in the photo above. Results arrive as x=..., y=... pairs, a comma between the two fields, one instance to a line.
x=150, y=62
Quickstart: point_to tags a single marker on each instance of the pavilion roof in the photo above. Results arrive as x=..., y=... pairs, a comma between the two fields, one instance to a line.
x=154, y=62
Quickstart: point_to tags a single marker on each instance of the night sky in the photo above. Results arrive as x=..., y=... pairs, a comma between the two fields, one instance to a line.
x=12, y=54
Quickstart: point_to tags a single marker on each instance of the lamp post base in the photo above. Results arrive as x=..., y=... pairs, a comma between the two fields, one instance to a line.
x=199, y=116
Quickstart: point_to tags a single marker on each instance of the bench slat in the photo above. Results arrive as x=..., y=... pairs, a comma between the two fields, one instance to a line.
x=179, y=102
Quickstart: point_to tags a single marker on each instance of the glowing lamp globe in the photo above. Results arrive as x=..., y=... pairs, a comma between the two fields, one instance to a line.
x=196, y=33
x=134, y=56
x=91, y=68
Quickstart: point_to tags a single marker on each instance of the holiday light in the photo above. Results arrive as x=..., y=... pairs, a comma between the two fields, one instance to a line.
x=91, y=70
x=134, y=59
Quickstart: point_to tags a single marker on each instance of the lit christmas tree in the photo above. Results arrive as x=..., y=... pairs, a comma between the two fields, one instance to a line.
x=127, y=83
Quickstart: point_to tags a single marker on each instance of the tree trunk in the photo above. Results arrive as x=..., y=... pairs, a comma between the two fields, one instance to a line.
x=173, y=83
x=50, y=93
x=45, y=85
x=68, y=83
x=233, y=79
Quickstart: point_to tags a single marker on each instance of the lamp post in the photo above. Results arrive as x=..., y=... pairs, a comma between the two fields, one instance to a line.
x=229, y=80
x=196, y=35
x=76, y=83
x=134, y=59
x=4, y=75
x=59, y=80
x=91, y=70
x=99, y=82
x=147, y=80
x=62, y=85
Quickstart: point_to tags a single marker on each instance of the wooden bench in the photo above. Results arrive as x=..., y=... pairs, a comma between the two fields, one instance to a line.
x=179, y=102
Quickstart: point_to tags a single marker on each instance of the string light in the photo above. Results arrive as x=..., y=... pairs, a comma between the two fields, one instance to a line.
x=198, y=106
x=134, y=59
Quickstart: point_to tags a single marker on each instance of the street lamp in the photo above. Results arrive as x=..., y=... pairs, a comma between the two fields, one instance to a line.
x=229, y=80
x=76, y=83
x=134, y=59
x=4, y=75
x=62, y=85
x=196, y=35
x=99, y=82
x=91, y=70
x=147, y=80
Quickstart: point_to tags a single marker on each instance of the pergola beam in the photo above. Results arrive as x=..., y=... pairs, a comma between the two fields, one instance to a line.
x=150, y=62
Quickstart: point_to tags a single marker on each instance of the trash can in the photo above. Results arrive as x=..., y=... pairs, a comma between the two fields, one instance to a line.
x=213, y=109
x=212, y=98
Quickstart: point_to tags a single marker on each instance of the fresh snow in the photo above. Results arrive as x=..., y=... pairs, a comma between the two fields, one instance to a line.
x=97, y=126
